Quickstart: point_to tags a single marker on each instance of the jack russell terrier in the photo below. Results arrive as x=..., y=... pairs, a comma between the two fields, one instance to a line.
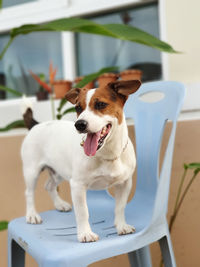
x=106, y=158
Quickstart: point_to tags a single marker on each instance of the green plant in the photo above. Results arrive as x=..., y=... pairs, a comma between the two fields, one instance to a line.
x=3, y=225
x=42, y=78
x=119, y=31
x=10, y=90
x=181, y=194
x=13, y=125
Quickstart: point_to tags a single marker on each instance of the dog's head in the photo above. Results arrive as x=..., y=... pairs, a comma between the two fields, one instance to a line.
x=100, y=110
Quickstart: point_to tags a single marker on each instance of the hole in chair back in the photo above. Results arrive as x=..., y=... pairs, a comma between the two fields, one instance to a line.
x=152, y=97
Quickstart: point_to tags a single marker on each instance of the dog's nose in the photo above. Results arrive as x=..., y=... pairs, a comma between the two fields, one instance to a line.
x=81, y=125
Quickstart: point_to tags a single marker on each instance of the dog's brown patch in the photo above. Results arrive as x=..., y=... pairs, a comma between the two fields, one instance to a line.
x=114, y=103
x=107, y=100
x=81, y=101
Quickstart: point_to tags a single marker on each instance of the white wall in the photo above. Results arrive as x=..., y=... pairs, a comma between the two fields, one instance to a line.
x=183, y=32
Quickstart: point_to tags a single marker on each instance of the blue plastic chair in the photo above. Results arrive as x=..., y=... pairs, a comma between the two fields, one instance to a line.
x=54, y=242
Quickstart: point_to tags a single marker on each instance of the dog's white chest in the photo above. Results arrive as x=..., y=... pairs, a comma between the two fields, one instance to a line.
x=103, y=182
x=107, y=175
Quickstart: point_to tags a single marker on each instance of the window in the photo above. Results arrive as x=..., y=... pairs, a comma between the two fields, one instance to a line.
x=95, y=52
x=35, y=51
x=30, y=52
x=9, y=3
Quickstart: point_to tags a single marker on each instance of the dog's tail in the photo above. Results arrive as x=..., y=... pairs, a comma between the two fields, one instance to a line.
x=27, y=113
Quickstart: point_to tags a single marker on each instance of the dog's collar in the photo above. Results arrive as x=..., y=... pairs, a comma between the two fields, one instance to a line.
x=117, y=157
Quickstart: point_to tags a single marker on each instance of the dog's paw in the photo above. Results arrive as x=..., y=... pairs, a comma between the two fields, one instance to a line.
x=33, y=218
x=87, y=237
x=61, y=205
x=125, y=229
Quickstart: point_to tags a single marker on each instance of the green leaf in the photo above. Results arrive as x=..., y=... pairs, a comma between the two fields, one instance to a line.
x=3, y=225
x=185, y=166
x=9, y=90
x=69, y=110
x=42, y=77
x=58, y=116
x=119, y=31
x=63, y=101
x=193, y=165
x=13, y=125
x=91, y=77
x=196, y=171
x=133, y=34
x=1, y=4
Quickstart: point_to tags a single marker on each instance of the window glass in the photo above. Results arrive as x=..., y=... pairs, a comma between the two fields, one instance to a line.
x=32, y=52
x=8, y=3
x=95, y=52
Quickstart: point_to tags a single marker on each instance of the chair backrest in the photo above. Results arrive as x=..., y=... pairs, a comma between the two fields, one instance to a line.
x=149, y=121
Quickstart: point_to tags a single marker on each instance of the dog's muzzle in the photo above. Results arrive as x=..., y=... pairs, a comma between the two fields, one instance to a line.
x=81, y=126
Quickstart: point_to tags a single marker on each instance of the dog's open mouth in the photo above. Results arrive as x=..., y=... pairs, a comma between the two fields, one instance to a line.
x=94, y=141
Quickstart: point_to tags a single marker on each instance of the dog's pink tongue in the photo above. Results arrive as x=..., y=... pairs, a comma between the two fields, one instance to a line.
x=91, y=143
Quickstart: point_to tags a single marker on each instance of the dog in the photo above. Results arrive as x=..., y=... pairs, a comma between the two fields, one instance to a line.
x=104, y=159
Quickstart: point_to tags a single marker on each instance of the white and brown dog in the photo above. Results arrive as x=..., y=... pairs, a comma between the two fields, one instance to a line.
x=106, y=157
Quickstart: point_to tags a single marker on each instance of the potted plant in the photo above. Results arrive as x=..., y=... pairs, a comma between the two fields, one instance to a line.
x=89, y=85
x=131, y=74
x=61, y=87
x=42, y=94
x=107, y=78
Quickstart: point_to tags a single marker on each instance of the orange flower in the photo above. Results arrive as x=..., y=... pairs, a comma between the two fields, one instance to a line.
x=43, y=84
x=52, y=73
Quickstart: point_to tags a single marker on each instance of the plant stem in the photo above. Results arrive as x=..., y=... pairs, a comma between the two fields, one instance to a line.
x=52, y=107
x=6, y=47
x=178, y=195
x=181, y=201
x=180, y=188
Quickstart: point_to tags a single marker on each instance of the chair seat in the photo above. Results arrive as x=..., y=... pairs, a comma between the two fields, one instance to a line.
x=56, y=237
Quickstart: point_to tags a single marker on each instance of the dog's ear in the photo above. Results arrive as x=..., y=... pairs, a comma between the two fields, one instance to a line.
x=72, y=95
x=125, y=88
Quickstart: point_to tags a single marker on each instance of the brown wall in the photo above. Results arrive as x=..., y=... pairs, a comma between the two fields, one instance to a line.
x=186, y=232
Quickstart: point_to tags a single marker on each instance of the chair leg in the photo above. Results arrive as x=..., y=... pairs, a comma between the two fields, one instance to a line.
x=16, y=255
x=167, y=251
x=140, y=257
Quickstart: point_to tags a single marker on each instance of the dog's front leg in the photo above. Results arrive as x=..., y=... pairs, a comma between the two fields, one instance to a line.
x=84, y=231
x=122, y=192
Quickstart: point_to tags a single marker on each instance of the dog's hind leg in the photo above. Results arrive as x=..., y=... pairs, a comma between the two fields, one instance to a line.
x=51, y=187
x=30, y=177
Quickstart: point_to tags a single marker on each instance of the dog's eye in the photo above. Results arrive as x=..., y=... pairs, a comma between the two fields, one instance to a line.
x=78, y=108
x=100, y=105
